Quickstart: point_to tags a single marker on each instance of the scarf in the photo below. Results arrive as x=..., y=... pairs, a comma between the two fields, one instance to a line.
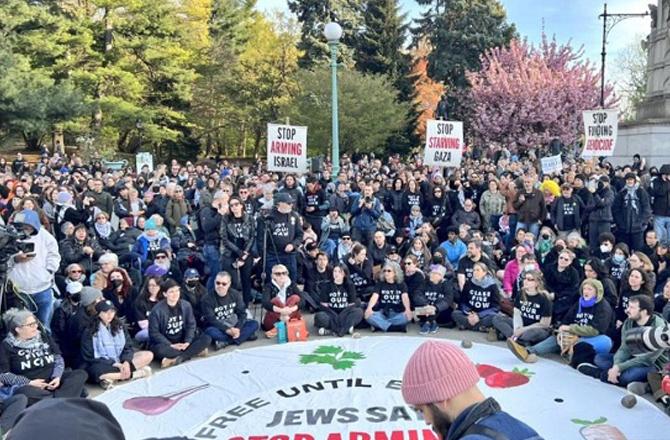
x=281, y=292
x=631, y=196
x=30, y=344
x=586, y=303
x=106, y=345
x=103, y=230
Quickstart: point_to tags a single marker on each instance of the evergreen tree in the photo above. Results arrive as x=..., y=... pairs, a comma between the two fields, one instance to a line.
x=313, y=16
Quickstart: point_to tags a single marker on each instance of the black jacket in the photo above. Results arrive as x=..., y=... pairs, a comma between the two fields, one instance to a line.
x=660, y=190
x=238, y=236
x=629, y=218
x=210, y=225
x=282, y=230
x=598, y=316
x=565, y=287
x=599, y=207
x=440, y=295
x=270, y=292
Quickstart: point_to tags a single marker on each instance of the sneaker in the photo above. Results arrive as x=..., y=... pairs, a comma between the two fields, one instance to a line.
x=142, y=372
x=492, y=335
x=425, y=329
x=589, y=370
x=532, y=358
x=168, y=362
x=639, y=388
x=518, y=350
x=434, y=328
x=107, y=384
x=220, y=345
x=323, y=331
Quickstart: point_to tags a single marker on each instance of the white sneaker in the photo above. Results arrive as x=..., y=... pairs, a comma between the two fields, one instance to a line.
x=323, y=332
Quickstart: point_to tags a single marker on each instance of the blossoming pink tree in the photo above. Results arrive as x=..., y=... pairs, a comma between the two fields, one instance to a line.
x=525, y=96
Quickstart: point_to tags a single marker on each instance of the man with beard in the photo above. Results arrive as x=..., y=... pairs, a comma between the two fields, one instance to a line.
x=441, y=382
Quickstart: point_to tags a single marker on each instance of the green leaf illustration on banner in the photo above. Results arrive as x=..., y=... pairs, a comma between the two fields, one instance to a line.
x=332, y=355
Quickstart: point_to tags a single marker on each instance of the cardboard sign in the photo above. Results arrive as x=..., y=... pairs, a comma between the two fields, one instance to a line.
x=142, y=159
x=444, y=143
x=552, y=164
x=600, y=132
x=287, y=148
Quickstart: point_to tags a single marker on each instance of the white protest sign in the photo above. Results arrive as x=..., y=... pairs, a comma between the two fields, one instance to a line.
x=600, y=132
x=142, y=159
x=552, y=164
x=287, y=148
x=444, y=143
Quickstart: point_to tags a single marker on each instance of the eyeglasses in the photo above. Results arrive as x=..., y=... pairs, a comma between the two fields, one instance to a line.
x=221, y=283
x=32, y=324
x=388, y=270
x=76, y=271
x=280, y=273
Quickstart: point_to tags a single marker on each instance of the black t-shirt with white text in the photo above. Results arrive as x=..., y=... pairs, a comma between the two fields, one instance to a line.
x=34, y=363
x=390, y=296
x=337, y=296
x=533, y=308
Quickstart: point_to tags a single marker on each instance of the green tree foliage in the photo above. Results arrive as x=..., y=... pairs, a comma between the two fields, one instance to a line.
x=313, y=16
x=369, y=110
x=459, y=32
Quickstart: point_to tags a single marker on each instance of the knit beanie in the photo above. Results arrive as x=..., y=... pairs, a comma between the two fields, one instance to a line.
x=437, y=371
x=150, y=225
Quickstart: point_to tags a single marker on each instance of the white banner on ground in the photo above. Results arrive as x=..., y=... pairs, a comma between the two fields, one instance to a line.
x=444, y=143
x=142, y=159
x=600, y=132
x=552, y=164
x=287, y=148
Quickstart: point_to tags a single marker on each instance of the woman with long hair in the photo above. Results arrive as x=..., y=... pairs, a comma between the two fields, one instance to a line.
x=421, y=252
x=107, y=351
x=389, y=306
x=121, y=292
x=479, y=302
x=531, y=321
x=238, y=245
x=147, y=299
x=360, y=271
x=339, y=312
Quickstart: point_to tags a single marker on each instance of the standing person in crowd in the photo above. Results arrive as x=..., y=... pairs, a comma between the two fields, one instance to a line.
x=339, y=311
x=467, y=216
x=632, y=213
x=492, y=206
x=623, y=368
x=107, y=350
x=172, y=329
x=434, y=301
x=177, y=208
x=32, y=273
x=280, y=235
x=566, y=211
x=365, y=210
x=389, y=306
x=238, y=246
x=34, y=360
x=282, y=299
x=479, y=301
x=441, y=383
x=225, y=314
x=531, y=320
x=210, y=218
x=531, y=207
x=100, y=198
x=599, y=210
x=660, y=191
x=316, y=203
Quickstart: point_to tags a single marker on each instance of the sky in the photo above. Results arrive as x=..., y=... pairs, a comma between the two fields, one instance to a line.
x=568, y=20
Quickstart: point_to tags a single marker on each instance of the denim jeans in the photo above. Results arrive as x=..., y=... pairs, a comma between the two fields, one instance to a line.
x=534, y=227
x=249, y=328
x=605, y=361
x=662, y=228
x=601, y=344
x=44, y=301
x=213, y=260
x=383, y=322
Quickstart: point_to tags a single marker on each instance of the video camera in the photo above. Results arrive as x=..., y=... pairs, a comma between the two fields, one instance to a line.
x=646, y=339
x=12, y=241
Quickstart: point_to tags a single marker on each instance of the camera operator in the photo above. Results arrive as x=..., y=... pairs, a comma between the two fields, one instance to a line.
x=365, y=210
x=284, y=235
x=32, y=273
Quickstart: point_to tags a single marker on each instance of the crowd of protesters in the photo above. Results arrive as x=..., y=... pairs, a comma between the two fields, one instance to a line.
x=130, y=267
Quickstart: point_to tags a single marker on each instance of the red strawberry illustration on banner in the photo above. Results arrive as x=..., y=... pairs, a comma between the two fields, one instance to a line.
x=598, y=430
x=497, y=378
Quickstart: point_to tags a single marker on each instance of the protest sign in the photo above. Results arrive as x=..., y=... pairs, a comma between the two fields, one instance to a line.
x=142, y=159
x=552, y=164
x=600, y=132
x=444, y=143
x=287, y=148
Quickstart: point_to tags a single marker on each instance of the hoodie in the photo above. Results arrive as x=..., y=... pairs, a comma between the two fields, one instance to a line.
x=593, y=320
x=480, y=296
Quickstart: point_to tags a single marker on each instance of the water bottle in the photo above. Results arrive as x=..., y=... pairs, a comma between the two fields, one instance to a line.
x=281, y=332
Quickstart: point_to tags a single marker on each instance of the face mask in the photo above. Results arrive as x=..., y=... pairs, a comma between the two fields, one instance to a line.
x=604, y=248
x=75, y=297
x=546, y=236
x=618, y=258
x=117, y=283
x=192, y=283
x=529, y=267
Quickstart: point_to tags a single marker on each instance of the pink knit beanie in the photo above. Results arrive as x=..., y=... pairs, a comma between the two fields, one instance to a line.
x=437, y=371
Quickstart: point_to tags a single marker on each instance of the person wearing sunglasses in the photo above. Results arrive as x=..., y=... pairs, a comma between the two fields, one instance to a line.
x=389, y=306
x=440, y=382
x=35, y=361
x=237, y=232
x=282, y=299
x=224, y=313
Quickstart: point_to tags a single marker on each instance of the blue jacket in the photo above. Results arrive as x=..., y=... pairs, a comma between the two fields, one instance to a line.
x=454, y=251
x=365, y=219
x=486, y=421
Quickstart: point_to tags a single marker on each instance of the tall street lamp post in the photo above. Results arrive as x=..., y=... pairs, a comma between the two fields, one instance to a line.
x=333, y=32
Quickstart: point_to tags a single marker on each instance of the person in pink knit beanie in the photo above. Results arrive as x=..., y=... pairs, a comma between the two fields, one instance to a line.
x=441, y=383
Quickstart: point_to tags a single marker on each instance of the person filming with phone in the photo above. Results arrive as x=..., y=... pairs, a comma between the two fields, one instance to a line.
x=31, y=270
